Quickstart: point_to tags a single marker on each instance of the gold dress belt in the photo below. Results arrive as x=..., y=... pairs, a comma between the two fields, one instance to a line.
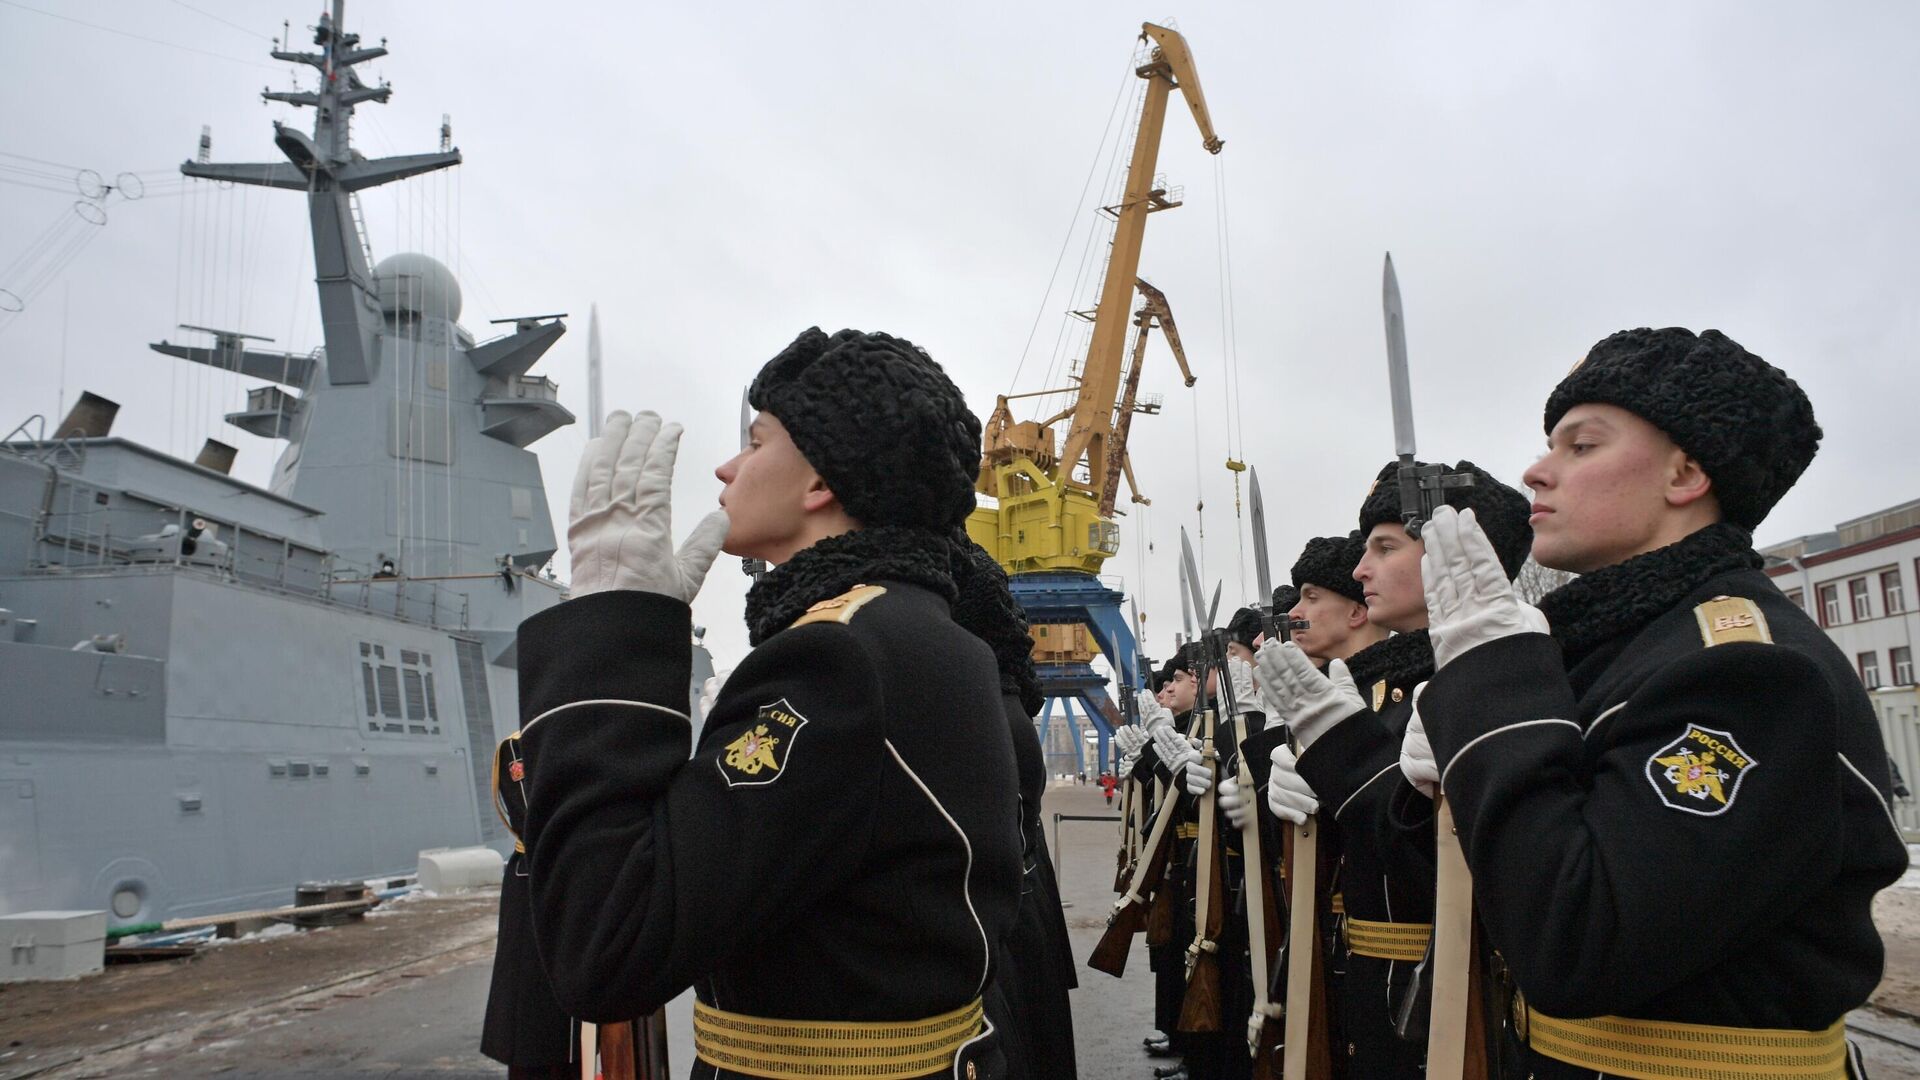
x=1663, y=1049
x=1388, y=940
x=806, y=1049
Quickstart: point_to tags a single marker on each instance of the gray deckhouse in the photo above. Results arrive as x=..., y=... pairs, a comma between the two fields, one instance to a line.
x=214, y=691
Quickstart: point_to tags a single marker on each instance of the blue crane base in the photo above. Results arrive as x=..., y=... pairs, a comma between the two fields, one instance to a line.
x=1065, y=597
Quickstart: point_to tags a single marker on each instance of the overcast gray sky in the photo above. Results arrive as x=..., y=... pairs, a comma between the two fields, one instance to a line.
x=719, y=176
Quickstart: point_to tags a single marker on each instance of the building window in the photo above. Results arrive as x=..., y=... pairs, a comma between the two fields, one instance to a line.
x=1902, y=659
x=1892, y=596
x=1797, y=599
x=1862, y=606
x=1829, y=605
x=1869, y=669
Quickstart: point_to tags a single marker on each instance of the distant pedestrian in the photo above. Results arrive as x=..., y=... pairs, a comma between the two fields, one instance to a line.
x=1107, y=784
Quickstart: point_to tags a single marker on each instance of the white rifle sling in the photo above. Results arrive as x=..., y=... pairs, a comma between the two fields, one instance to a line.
x=1253, y=860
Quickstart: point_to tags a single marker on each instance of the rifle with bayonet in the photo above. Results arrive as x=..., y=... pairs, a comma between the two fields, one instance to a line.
x=1144, y=889
x=1160, y=919
x=1442, y=999
x=1200, y=1008
x=1264, y=1025
x=1124, y=856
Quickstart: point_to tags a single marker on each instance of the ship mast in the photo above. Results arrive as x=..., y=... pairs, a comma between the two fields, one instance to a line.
x=324, y=166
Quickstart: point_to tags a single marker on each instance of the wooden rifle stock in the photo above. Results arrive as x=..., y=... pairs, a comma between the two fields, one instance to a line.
x=1447, y=981
x=1308, y=1048
x=1160, y=916
x=1200, y=1008
x=636, y=1050
x=1129, y=915
x=1128, y=853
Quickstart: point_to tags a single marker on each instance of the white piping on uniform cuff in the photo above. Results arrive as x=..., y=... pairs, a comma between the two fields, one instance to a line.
x=1485, y=735
x=1365, y=786
x=528, y=726
x=1602, y=716
x=1848, y=762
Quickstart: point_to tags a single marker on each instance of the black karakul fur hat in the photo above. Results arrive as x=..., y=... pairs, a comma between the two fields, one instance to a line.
x=1244, y=626
x=1328, y=561
x=1747, y=423
x=1501, y=510
x=882, y=423
x=1285, y=599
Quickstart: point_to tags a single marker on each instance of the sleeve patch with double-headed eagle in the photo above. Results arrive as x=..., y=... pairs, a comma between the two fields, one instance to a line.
x=1699, y=772
x=757, y=756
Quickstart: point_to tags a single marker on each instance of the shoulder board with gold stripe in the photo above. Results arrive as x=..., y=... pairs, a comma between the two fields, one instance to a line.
x=1725, y=619
x=842, y=608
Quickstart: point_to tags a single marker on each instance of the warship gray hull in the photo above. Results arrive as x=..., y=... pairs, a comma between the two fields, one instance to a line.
x=211, y=691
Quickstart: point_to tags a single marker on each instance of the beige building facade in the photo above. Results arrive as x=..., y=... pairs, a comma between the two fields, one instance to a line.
x=1861, y=583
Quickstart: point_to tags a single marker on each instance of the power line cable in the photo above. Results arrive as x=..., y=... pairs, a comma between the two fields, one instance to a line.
x=137, y=37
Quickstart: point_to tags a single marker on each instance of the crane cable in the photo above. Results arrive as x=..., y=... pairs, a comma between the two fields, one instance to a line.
x=1229, y=331
x=1079, y=203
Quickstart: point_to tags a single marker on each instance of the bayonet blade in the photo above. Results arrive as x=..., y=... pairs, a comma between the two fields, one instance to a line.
x=1213, y=609
x=1186, y=608
x=1192, y=571
x=1400, y=388
x=1260, y=573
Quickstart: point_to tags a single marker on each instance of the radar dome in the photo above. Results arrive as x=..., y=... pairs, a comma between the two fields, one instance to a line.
x=415, y=284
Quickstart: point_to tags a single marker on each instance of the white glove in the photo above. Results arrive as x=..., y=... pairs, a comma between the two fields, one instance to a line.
x=1288, y=796
x=620, y=526
x=1175, y=750
x=1153, y=715
x=1470, y=600
x=1129, y=738
x=1310, y=702
x=1231, y=804
x=1416, y=753
x=1196, y=774
x=1128, y=763
x=710, y=690
x=1246, y=699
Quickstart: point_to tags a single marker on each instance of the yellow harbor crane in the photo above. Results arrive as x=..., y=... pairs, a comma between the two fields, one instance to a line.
x=1053, y=508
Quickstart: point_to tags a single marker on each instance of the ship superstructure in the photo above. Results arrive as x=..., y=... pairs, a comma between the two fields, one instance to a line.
x=215, y=690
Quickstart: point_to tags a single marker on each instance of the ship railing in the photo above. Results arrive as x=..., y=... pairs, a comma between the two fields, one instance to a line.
x=71, y=450
x=82, y=538
x=412, y=599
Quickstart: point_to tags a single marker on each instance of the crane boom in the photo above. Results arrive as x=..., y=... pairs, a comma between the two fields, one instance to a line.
x=1054, y=499
x=1169, y=68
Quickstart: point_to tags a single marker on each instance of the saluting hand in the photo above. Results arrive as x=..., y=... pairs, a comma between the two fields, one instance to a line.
x=1303, y=697
x=1246, y=698
x=620, y=526
x=1470, y=600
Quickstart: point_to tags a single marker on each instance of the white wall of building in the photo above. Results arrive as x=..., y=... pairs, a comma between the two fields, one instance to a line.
x=1880, y=634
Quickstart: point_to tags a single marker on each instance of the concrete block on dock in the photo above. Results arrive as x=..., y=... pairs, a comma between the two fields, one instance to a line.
x=47, y=945
x=447, y=869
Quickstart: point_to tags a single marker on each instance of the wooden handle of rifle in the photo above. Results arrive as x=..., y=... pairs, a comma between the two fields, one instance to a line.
x=1447, y=1034
x=616, y=1052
